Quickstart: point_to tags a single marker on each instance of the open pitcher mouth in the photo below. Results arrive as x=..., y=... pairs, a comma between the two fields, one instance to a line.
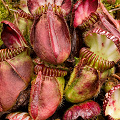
x=49, y=71
x=96, y=61
x=43, y=9
x=101, y=51
x=84, y=13
x=89, y=21
x=6, y=54
x=111, y=102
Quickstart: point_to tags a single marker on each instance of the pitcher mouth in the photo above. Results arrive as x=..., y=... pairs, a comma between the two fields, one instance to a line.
x=43, y=9
x=49, y=71
x=111, y=102
x=89, y=22
x=96, y=61
x=6, y=54
x=101, y=49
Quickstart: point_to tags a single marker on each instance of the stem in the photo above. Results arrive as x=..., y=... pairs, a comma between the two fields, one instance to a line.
x=114, y=9
x=6, y=6
x=16, y=21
